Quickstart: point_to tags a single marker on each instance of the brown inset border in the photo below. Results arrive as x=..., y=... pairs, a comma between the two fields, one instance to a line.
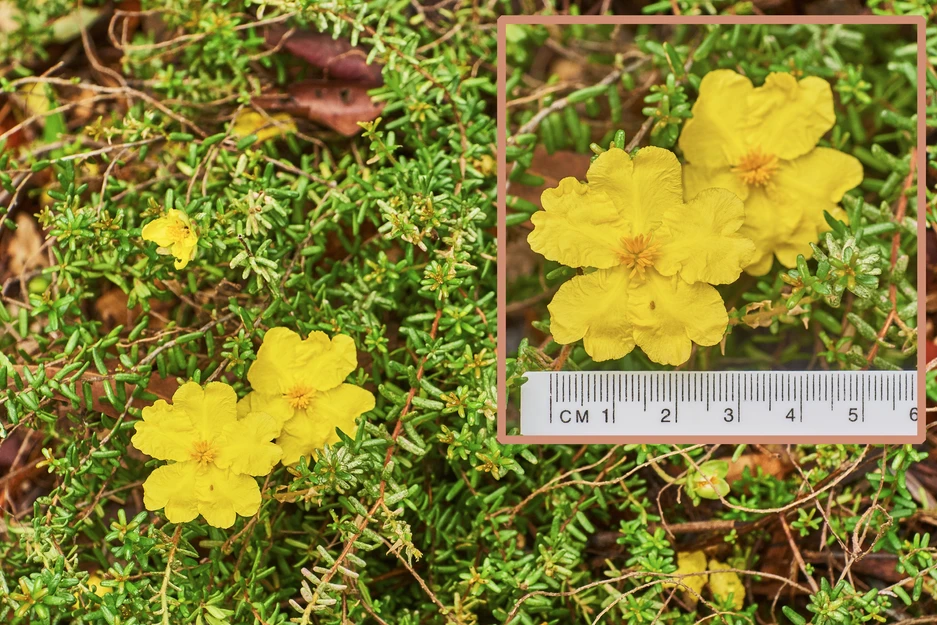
x=561, y=20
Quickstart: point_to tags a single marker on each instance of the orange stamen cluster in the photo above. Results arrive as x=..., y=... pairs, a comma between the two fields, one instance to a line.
x=178, y=231
x=756, y=168
x=203, y=452
x=639, y=253
x=299, y=397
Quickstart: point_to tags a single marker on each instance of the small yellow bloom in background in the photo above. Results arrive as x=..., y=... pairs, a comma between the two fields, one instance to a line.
x=698, y=574
x=174, y=234
x=761, y=144
x=94, y=584
x=656, y=257
x=724, y=584
x=213, y=454
x=250, y=122
x=300, y=383
x=692, y=564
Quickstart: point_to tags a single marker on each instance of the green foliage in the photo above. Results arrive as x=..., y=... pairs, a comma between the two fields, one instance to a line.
x=422, y=517
x=386, y=238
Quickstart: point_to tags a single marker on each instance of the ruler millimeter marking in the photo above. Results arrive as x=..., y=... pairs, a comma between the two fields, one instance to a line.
x=728, y=403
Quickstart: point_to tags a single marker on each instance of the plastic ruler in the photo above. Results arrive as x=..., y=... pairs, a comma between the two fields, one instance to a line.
x=731, y=403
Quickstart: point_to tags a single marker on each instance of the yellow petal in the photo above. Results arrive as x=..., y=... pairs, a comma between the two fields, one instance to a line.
x=247, y=404
x=158, y=231
x=611, y=173
x=181, y=259
x=787, y=216
x=183, y=252
x=278, y=359
x=314, y=428
x=579, y=226
x=166, y=230
x=180, y=216
x=813, y=183
x=94, y=583
x=250, y=122
x=274, y=406
x=689, y=563
x=698, y=178
x=172, y=487
x=222, y=495
x=786, y=117
x=714, y=137
x=333, y=362
x=285, y=361
x=761, y=262
x=817, y=181
x=209, y=408
x=725, y=584
x=165, y=432
x=593, y=307
x=294, y=447
x=798, y=242
x=658, y=188
x=245, y=445
x=582, y=225
x=37, y=97
x=702, y=243
x=667, y=314
x=174, y=233
x=771, y=219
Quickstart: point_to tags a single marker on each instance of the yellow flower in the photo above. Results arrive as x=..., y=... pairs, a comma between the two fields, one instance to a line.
x=94, y=585
x=174, y=234
x=300, y=383
x=265, y=127
x=656, y=257
x=761, y=144
x=698, y=574
x=214, y=453
x=692, y=565
x=725, y=585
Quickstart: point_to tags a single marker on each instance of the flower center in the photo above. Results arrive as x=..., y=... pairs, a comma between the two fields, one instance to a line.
x=756, y=167
x=299, y=397
x=203, y=452
x=179, y=231
x=639, y=253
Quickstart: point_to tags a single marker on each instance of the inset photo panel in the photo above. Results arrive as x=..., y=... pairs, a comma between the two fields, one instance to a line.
x=709, y=229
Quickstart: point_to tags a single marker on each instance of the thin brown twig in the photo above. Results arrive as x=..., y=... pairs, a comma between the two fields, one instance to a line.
x=558, y=105
x=419, y=580
x=365, y=520
x=561, y=359
x=895, y=247
x=797, y=555
x=164, y=588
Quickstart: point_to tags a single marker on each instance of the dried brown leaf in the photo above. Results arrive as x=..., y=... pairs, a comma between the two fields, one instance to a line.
x=759, y=314
x=113, y=311
x=552, y=168
x=335, y=104
x=337, y=58
x=773, y=465
x=22, y=252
